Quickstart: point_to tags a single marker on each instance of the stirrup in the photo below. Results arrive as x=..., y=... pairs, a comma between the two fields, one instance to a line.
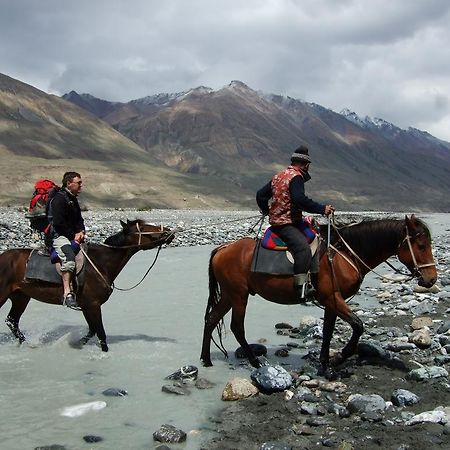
x=70, y=301
x=305, y=292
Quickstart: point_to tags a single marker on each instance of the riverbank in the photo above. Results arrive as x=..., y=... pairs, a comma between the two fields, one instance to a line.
x=192, y=227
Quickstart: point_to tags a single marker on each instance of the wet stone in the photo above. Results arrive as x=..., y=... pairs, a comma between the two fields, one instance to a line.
x=176, y=389
x=203, y=383
x=168, y=433
x=90, y=438
x=184, y=373
x=403, y=397
x=115, y=392
x=258, y=350
x=271, y=378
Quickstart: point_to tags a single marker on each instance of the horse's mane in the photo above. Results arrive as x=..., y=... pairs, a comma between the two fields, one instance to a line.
x=119, y=239
x=369, y=233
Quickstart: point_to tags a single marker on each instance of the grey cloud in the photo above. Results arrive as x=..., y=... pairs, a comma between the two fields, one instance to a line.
x=378, y=57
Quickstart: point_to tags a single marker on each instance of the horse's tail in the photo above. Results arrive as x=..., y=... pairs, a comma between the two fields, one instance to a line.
x=213, y=300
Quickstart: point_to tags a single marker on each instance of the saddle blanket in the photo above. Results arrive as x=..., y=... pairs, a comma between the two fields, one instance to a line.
x=40, y=267
x=272, y=241
x=276, y=262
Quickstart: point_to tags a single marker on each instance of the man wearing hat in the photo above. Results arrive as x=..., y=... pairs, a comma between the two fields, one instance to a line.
x=284, y=199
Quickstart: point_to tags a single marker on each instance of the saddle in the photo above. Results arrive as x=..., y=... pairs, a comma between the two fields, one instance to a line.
x=40, y=267
x=272, y=256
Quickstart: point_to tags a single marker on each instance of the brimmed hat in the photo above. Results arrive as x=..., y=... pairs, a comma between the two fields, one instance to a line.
x=301, y=155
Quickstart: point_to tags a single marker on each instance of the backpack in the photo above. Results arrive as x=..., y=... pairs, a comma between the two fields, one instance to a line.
x=44, y=190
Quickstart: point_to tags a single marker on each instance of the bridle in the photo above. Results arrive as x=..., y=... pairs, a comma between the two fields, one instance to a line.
x=415, y=272
x=417, y=267
x=141, y=233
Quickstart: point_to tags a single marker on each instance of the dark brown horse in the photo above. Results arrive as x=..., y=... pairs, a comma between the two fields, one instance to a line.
x=355, y=250
x=103, y=265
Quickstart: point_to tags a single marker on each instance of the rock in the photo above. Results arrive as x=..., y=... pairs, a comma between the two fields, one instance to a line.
x=283, y=326
x=421, y=322
x=427, y=373
x=115, y=392
x=438, y=415
x=373, y=353
x=421, y=338
x=360, y=404
x=91, y=438
x=275, y=446
x=177, y=389
x=423, y=290
x=271, y=378
x=168, y=433
x=403, y=397
x=282, y=352
x=203, y=383
x=258, y=350
x=444, y=327
x=238, y=389
x=184, y=373
x=422, y=308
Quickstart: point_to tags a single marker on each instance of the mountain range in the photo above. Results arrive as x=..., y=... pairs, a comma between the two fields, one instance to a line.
x=207, y=148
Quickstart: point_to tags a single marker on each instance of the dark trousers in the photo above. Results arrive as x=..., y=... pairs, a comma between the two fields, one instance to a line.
x=297, y=244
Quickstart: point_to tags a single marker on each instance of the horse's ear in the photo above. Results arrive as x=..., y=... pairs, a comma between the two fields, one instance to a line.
x=123, y=224
x=410, y=220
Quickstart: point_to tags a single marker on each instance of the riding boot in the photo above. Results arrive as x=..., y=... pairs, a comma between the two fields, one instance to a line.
x=303, y=288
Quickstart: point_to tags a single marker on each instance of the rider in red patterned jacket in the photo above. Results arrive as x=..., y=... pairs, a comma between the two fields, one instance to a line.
x=284, y=199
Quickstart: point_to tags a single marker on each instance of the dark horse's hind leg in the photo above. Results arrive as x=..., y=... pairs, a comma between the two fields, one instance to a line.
x=212, y=319
x=237, y=327
x=19, y=304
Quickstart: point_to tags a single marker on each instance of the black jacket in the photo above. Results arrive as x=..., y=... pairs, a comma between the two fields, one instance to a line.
x=64, y=215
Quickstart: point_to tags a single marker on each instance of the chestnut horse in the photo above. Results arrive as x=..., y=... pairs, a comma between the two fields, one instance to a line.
x=103, y=265
x=355, y=250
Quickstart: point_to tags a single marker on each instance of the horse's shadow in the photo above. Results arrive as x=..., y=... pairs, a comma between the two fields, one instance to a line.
x=76, y=333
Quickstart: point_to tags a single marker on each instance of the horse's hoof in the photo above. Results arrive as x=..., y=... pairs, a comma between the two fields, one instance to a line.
x=104, y=346
x=327, y=372
x=337, y=359
x=207, y=363
x=255, y=362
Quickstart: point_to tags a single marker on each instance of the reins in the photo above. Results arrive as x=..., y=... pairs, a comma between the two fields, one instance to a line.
x=140, y=233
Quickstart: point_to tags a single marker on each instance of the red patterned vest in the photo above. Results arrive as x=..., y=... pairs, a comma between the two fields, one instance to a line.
x=281, y=211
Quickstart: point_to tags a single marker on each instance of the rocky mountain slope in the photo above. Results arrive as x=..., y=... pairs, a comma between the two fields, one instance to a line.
x=242, y=136
x=209, y=148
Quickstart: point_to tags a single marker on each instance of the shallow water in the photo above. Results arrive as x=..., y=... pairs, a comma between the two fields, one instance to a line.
x=152, y=331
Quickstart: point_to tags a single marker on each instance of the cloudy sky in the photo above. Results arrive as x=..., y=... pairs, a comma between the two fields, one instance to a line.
x=382, y=58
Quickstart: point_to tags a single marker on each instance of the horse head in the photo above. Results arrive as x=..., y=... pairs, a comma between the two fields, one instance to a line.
x=139, y=234
x=415, y=251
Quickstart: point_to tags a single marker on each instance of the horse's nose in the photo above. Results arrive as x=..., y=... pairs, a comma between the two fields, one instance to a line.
x=427, y=283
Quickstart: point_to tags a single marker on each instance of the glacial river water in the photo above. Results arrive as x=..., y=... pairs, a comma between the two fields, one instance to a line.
x=153, y=330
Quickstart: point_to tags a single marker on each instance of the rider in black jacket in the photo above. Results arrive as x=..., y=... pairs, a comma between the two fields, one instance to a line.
x=66, y=225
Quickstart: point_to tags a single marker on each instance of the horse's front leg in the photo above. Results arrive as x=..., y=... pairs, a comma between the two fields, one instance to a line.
x=329, y=322
x=237, y=327
x=357, y=330
x=336, y=306
x=93, y=315
x=19, y=303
